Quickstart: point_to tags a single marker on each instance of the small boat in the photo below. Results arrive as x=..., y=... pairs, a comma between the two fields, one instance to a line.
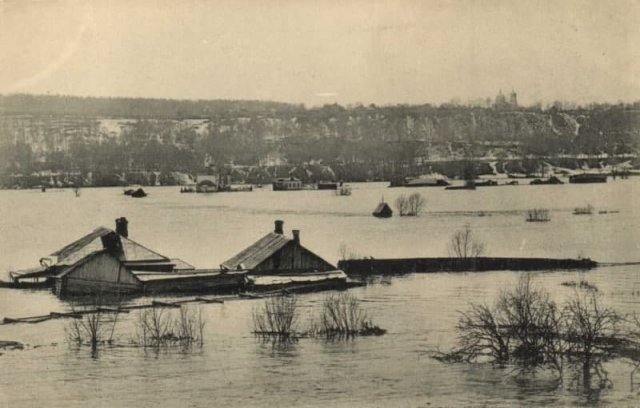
x=139, y=193
x=588, y=178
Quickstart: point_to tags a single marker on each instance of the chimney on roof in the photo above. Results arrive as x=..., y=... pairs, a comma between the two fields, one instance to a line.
x=122, y=227
x=278, y=229
x=296, y=236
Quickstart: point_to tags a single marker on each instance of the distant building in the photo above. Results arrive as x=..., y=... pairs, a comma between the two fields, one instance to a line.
x=501, y=101
x=513, y=99
x=383, y=210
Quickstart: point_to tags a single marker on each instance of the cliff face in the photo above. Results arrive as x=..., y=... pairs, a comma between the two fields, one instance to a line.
x=179, y=136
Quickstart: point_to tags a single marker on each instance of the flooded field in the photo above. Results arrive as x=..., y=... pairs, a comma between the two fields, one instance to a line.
x=420, y=312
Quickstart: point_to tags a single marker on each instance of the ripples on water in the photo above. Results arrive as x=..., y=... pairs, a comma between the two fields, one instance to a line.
x=235, y=369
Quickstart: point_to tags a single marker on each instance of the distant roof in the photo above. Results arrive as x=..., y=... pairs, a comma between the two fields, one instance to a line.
x=381, y=207
x=92, y=242
x=257, y=253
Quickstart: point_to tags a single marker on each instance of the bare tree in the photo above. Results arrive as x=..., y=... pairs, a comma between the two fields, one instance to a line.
x=481, y=334
x=464, y=245
x=345, y=253
x=527, y=328
x=534, y=322
x=590, y=326
x=410, y=206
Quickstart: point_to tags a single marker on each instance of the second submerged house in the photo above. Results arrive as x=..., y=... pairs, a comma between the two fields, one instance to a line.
x=274, y=253
x=278, y=262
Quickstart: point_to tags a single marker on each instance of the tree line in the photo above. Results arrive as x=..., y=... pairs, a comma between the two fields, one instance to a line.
x=42, y=132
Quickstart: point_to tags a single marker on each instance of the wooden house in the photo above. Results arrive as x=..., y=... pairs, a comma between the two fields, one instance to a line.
x=276, y=254
x=107, y=261
x=383, y=210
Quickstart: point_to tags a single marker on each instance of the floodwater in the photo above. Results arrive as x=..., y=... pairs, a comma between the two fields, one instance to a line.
x=420, y=312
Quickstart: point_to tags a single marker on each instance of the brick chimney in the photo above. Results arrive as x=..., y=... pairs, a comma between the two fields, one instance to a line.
x=122, y=227
x=278, y=229
x=296, y=236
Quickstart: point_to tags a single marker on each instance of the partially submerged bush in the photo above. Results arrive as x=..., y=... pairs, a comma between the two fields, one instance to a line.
x=463, y=244
x=160, y=327
x=343, y=316
x=583, y=284
x=538, y=215
x=586, y=210
x=345, y=253
x=411, y=205
x=278, y=317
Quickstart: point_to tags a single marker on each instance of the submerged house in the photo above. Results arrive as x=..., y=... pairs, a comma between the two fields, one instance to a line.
x=383, y=210
x=275, y=254
x=276, y=261
x=108, y=261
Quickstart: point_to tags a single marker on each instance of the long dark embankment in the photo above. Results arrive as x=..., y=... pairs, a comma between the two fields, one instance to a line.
x=479, y=264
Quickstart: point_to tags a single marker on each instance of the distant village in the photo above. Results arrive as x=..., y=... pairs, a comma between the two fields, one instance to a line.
x=78, y=142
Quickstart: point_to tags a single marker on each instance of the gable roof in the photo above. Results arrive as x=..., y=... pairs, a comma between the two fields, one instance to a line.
x=93, y=242
x=382, y=207
x=257, y=253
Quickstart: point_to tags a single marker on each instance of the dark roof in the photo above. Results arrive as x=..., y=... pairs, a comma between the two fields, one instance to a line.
x=382, y=207
x=257, y=253
x=92, y=243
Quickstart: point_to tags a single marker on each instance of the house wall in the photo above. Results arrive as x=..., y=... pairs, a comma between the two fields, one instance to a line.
x=101, y=273
x=223, y=283
x=293, y=258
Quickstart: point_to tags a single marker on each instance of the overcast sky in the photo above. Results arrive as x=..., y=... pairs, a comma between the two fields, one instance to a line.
x=316, y=52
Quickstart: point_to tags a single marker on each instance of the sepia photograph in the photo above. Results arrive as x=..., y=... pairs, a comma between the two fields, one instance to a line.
x=319, y=203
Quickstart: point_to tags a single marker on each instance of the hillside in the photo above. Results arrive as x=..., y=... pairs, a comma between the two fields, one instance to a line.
x=115, y=134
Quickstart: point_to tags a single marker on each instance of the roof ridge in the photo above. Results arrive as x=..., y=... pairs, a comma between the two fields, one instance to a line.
x=259, y=251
